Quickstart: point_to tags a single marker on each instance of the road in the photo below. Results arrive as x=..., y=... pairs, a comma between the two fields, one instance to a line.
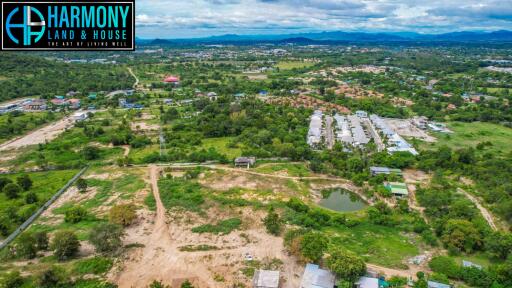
x=485, y=213
x=134, y=76
x=375, y=135
x=329, y=134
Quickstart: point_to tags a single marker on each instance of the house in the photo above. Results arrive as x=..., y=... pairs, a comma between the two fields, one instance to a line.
x=92, y=95
x=471, y=264
x=314, y=277
x=245, y=161
x=73, y=103
x=374, y=170
x=433, y=284
x=263, y=93
x=72, y=93
x=80, y=116
x=172, y=80
x=398, y=189
x=35, y=105
x=361, y=114
x=212, y=96
x=58, y=101
x=265, y=279
x=367, y=282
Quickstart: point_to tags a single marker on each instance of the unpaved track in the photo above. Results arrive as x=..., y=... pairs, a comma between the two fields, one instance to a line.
x=134, y=76
x=40, y=136
x=485, y=213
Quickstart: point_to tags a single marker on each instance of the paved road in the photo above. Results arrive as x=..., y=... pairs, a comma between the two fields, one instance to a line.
x=375, y=135
x=329, y=133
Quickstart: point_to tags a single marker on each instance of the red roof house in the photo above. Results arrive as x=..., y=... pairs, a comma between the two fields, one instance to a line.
x=172, y=79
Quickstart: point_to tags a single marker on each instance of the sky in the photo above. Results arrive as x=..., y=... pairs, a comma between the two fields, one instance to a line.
x=200, y=18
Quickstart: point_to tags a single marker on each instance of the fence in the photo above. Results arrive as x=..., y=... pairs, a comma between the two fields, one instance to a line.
x=34, y=216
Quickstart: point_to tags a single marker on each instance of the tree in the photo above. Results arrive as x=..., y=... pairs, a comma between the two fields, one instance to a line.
x=345, y=265
x=461, y=235
x=31, y=198
x=81, y=185
x=272, y=222
x=24, y=182
x=65, y=245
x=12, y=190
x=3, y=182
x=313, y=245
x=106, y=238
x=445, y=265
x=91, y=153
x=49, y=278
x=26, y=246
x=12, y=280
x=499, y=244
x=41, y=240
x=123, y=214
x=75, y=214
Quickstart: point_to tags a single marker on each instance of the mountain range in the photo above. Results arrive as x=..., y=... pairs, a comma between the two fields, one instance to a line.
x=501, y=36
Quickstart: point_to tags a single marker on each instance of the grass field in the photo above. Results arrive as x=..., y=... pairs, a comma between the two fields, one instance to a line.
x=292, y=169
x=376, y=244
x=470, y=134
x=221, y=145
x=288, y=65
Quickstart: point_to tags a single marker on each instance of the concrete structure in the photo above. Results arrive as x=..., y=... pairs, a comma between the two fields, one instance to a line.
x=374, y=170
x=80, y=116
x=315, y=129
x=433, y=284
x=358, y=134
x=35, y=105
x=265, y=279
x=398, y=189
x=245, y=161
x=314, y=277
x=361, y=114
x=367, y=282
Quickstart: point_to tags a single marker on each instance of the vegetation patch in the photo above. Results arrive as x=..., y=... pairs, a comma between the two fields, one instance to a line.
x=223, y=227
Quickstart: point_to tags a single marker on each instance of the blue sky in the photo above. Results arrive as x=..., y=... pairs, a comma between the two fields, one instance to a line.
x=199, y=18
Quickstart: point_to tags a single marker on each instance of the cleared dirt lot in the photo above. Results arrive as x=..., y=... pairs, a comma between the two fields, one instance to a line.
x=42, y=135
x=405, y=128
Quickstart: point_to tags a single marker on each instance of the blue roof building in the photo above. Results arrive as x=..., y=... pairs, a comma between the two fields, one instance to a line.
x=314, y=277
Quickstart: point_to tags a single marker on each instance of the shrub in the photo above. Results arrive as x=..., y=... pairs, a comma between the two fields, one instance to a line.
x=3, y=182
x=312, y=246
x=272, y=222
x=123, y=214
x=41, y=240
x=75, y=215
x=31, y=198
x=12, y=280
x=50, y=277
x=81, y=185
x=345, y=265
x=26, y=246
x=106, y=238
x=65, y=245
x=445, y=265
x=24, y=182
x=12, y=190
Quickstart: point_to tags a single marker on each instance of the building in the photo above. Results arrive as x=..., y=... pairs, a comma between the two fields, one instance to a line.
x=172, y=79
x=361, y=114
x=245, y=161
x=374, y=170
x=314, y=277
x=367, y=282
x=433, y=284
x=73, y=103
x=265, y=279
x=212, y=96
x=92, y=95
x=398, y=189
x=315, y=129
x=471, y=264
x=80, y=116
x=35, y=105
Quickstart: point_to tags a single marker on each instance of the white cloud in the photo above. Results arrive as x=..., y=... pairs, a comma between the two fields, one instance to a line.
x=192, y=18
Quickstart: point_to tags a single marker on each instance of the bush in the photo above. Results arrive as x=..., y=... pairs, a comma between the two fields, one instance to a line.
x=12, y=280
x=345, y=265
x=50, y=277
x=75, y=215
x=106, y=238
x=123, y=214
x=272, y=222
x=91, y=153
x=445, y=265
x=312, y=246
x=65, y=245
x=24, y=182
x=41, y=240
x=12, y=190
x=31, y=198
x=81, y=185
x=3, y=182
x=26, y=246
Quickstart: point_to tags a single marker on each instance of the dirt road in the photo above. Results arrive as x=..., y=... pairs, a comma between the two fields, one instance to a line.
x=40, y=136
x=485, y=213
x=134, y=76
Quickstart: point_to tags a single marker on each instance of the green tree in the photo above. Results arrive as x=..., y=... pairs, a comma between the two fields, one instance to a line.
x=123, y=214
x=12, y=190
x=91, y=153
x=313, y=245
x=24, y=182
x=75, y=214
x=12, y=280
x=42, y=240
x=65, y=245
x=81, y=185
x=3, y=182
x=50, y=277
x=106, y=238
x=31, y=198
x=445, y=265
x=26, y=246
x=461, y=235
x=346, y=265
x=499, y=244
x=272, y=222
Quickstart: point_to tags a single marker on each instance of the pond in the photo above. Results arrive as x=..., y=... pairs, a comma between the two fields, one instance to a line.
x=341, y=200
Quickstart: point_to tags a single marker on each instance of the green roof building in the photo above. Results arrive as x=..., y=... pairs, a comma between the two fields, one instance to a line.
x=398, y=189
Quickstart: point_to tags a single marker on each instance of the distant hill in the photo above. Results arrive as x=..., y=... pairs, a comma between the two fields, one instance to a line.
x=502, y=36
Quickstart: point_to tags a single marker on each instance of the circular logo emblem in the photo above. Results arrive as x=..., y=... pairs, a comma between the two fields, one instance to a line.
x=30, y=29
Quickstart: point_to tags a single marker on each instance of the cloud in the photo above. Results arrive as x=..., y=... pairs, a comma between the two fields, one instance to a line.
x=193, y=18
